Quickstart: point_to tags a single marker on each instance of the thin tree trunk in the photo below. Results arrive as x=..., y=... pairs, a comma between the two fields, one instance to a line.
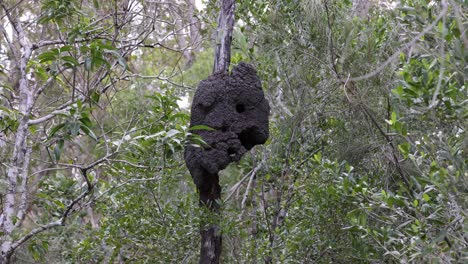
x=17, y=173
x=210, y=233
x=211, y=238
x=211, y=244
x=224, y=36
x=195, y=38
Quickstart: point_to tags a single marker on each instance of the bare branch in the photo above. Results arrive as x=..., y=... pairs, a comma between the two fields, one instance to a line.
x=60, y=110
x=249, y=185
x=45, y=85
x=33, y=233
x=8, y=41
x=158, y=77
x=59, y=222
x=48, y=117
x=67, y=212
x=120, y=185
x=250, y=175
x=129, y=163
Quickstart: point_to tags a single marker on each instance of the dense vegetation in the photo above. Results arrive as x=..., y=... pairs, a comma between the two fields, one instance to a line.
x=366, y=161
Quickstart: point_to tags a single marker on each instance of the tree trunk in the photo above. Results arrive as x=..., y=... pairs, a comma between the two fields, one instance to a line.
x=211, y=238
x=195, y=37
x=17, y=173
x=211, y=242
x=224, y=36
x=210, y=233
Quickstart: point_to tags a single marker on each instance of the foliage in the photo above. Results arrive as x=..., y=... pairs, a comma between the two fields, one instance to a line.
x=366, y=161
x=403, y=195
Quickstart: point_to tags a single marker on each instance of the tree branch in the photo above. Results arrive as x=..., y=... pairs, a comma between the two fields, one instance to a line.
x=48, y=117
x=59, y=222
x=68, y=211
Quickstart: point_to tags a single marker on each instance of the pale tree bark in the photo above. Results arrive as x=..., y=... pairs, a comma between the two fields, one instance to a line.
x=17, y=172
x=361, y=8
x=224, y=36
x=180, y=31
x=195, y=37
x=187, y=31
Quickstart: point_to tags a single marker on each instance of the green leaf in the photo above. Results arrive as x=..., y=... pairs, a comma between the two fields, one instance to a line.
x=87, y=64
x=171, y=133
x=79, y=104
x=88, y=131
x=394, y=118
x=74, y=128
x=70, y=60
x=59, y=204
x=46, y=56
x=404, y=148
x=95, y=96
x=6, y=110
x=8, y=87
x=58, y=149
x=65, y=48
x=116, y=53
x=55, y=129
x=201, y=127
x=85, y=121
x=426, y=197
x=318, y=157
x=45, y=245
x=41, y=73
x=35, y=253
x=398, y=91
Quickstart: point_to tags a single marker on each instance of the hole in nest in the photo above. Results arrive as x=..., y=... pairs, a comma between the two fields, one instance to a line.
x=231, y=151
x=240, y=108
x=249, y=138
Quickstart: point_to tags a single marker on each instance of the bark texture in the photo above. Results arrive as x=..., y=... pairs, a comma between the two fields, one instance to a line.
x=224, y=36
x=211, y=243
x=17, y=173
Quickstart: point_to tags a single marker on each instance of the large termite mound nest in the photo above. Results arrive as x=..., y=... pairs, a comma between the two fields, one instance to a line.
x=235, y=107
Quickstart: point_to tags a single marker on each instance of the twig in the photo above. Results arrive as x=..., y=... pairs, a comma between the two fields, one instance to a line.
x=120, y=185
x=59, y=222
x=157, y=77
x=48, y=117
x=129, y=163
x=434, y=101
x=247, y=190
x=237, y=185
